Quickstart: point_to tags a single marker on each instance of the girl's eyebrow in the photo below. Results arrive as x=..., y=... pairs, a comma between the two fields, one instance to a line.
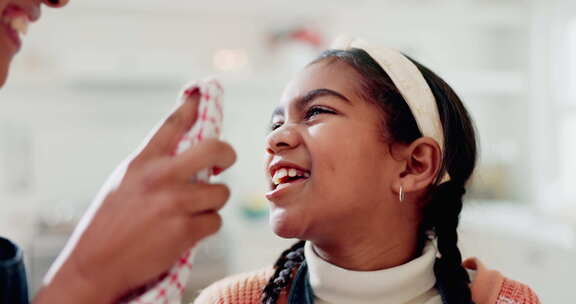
x=302, y=101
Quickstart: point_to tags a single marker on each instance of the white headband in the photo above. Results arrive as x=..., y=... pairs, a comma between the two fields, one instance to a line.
x=411, y=84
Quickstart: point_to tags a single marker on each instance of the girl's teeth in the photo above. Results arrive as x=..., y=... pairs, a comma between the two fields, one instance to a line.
x=291, y=172
x=279, y=175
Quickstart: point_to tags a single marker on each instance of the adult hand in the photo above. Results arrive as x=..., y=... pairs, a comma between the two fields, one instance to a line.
x=145, y=224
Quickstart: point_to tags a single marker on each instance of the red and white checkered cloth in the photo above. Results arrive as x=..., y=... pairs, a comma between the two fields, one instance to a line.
x=168, y=288
x=210, y=115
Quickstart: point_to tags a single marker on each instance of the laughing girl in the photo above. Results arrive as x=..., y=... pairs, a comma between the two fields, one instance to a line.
x=369, y=154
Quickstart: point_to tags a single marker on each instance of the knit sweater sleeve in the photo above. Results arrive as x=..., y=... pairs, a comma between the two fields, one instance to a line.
x=491, y=287
x=243, y=288
x=515, y=292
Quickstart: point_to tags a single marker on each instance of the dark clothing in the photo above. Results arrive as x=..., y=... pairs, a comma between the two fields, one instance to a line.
x=13, y=286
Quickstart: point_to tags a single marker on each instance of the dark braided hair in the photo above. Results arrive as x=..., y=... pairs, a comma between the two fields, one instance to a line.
x=444, y=202
x=289, y=259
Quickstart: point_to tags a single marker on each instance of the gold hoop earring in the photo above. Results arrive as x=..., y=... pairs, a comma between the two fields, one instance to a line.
x=401, y=194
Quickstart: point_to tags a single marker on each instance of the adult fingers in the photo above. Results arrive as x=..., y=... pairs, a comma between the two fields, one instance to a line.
x=197, y=227
x=199, y=198
x=207, y=154
x=166, y=139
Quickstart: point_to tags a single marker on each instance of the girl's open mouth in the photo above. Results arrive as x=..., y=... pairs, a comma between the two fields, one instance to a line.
x=288, y=175
x=284, y=179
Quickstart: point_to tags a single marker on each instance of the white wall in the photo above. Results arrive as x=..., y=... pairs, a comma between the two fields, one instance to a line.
x=95, y=77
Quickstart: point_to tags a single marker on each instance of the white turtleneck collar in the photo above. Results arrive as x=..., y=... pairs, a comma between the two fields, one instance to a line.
x=410, y=283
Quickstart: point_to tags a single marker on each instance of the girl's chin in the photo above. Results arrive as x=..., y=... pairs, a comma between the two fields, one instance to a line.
x=286, y=225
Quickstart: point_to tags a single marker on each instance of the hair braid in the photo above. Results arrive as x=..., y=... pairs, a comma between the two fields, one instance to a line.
x=442, y=214
x=288, y=260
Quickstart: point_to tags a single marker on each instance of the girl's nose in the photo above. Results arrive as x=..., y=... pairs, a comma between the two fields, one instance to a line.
x=283, y=138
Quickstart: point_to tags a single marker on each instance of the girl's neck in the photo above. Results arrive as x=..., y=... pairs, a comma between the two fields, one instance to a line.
x=370, y=251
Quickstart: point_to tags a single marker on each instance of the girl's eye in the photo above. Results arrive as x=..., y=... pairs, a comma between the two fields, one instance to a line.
x=313, y=111
x=275, y=125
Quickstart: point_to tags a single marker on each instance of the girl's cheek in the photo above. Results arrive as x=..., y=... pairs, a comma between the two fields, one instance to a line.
x=315, y=130
x=325, y=129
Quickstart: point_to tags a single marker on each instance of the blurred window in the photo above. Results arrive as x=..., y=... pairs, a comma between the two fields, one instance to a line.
x=568, y=121
x=572, y=46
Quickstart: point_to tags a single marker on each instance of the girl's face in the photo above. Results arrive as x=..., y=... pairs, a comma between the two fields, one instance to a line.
x=331, y=140
x=15, y=16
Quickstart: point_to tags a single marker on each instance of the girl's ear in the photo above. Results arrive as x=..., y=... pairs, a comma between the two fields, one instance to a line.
x=422, y=162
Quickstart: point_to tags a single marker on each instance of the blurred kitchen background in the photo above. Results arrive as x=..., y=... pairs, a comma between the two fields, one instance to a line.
x=96, y=76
